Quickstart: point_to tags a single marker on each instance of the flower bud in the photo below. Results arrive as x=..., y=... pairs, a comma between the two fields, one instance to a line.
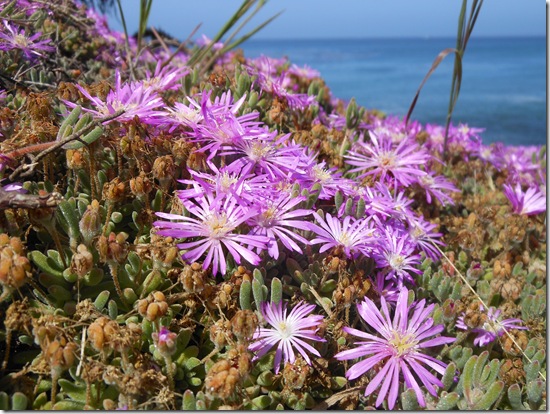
x=90, y=224
x=82, y=261
x=165, y=341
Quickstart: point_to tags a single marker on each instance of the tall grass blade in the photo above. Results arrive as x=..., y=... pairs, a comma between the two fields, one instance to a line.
x=442, y=55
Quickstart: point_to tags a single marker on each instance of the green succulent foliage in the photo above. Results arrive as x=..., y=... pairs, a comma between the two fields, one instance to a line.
x=17, y=401
x=409, y=401
x=75, y=124
x=533, y=306
x=440, y=284
x=477, y=385
x=193, y=401
x=460, y=355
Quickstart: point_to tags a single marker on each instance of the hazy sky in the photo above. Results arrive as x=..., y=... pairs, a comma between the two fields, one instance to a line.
x=344, y=18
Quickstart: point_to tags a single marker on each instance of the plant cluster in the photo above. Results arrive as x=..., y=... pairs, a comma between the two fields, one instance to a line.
x=183, y=227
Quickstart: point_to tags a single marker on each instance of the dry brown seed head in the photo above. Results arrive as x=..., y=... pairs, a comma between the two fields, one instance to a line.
x=244, y=324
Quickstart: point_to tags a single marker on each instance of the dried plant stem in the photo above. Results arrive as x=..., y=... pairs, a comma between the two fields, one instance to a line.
x=7, y=351
x=94, y=184
x=55, y=377
x=333, y=399
x=25, y=170
x=110, y=208
x=169, y=371
x=114, y=273
x=14, y=199
x=486, y=307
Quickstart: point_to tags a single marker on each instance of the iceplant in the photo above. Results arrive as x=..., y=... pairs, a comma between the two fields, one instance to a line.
x=287, y=332
x=398, y=350
x=532, y=201
x=492, y=328
x=215, y=226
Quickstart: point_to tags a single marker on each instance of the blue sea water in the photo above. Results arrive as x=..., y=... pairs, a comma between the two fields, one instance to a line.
x=503, y=83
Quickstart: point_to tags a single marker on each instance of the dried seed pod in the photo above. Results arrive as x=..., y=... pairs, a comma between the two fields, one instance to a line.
x=153, y=307
x=82, y=261
x=114, y=190
x=15, y=268
x=91, y=223
x=113, y=249
x=244, y=324
x=141, y=185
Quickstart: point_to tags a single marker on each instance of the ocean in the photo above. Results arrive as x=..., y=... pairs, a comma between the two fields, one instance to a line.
x=503, y=83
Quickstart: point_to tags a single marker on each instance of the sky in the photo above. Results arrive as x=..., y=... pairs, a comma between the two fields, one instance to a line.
x=318, y=19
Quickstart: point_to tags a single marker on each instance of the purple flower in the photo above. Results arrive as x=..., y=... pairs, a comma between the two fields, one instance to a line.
x=382, y=157
x=303, y=72
x=399, y=349
x=263, y=153
x=165, y=341
x=330, y=180
x=352, y=235
x=396, y=252
x=385, y=288
x=434, y=186
x=267, y=79
x=221, y=129
x=216, y=225
x=164, y=79
x=278, y=222
x=30, y=46
x=287, y=332
x=532, y=201
x=421, y=231
x=133, y=97
x=492, y=328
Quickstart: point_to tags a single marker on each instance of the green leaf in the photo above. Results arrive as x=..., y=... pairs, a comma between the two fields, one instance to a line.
x=67, y=405
x=70, y=120
x=4, y=401
x=447, y=402
x=40, y=260
x=514, y=397
x=19, y=401
x=261, y=402
x=490, y=396
x=76, y=392
x=245, y=292
x=188, y=403
x=534, y=390
x=409, y=401
x=276, y=290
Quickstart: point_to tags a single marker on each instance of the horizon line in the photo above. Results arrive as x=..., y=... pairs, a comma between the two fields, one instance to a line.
x=417, y=37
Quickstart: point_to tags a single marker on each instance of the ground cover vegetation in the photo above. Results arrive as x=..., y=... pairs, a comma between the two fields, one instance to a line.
x=184, y=227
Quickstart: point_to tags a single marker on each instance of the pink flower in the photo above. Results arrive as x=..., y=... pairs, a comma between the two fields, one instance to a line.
x=287, y=332
x=399, y=349
x=216, y=226
x=133, y=97
x=31, y=46
x=530, y=202
x=396, y=252
x=492, y=328
x=434, y=186
x=382, y=157
x=278, y=221
x=165, y=341
x=352, y=235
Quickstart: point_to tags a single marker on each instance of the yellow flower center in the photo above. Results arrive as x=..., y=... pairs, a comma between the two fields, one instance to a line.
x=403, y=343
x=387, y=160
x=321, y=174
x=396, y=261
x=21, y=41
x=218, y=226
x=284, y=330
